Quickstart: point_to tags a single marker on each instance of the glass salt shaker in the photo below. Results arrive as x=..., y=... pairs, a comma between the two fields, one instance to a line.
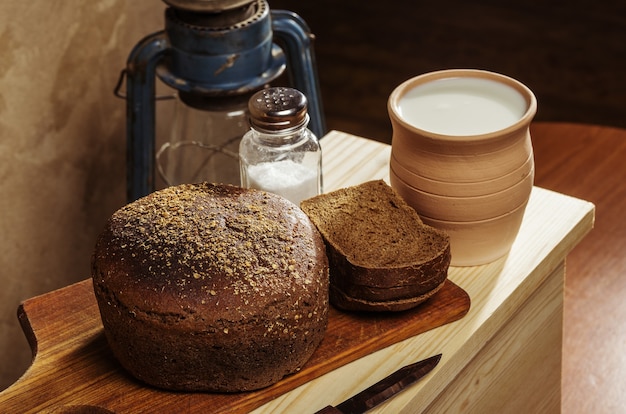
x=279, y=154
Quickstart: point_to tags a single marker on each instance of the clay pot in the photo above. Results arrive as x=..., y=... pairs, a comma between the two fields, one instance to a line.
x=462, y=207
x=432, y=156
x=475, y=185
x=475, y=243
x=461, y=188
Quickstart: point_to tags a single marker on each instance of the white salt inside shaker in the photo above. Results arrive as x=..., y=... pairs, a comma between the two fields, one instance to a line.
x=280, y=154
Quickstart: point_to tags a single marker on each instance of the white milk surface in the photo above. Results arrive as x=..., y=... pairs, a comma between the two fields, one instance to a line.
x=462, y=106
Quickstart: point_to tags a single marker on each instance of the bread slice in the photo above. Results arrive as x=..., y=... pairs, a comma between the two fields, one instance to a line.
x=381, y=256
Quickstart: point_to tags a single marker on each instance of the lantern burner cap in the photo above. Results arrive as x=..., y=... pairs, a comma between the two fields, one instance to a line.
x=215, y=14
x=207, y=6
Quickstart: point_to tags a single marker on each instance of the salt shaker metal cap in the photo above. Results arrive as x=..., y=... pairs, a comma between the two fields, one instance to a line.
x=278, y=109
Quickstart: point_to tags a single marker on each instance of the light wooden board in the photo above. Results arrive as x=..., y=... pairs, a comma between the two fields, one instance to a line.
x=553, y=225
x=73, y=364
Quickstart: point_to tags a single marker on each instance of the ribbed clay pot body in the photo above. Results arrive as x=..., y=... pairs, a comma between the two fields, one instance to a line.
x=475, y=185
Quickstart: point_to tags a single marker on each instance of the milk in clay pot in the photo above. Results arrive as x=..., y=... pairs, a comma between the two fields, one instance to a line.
x=462, y=157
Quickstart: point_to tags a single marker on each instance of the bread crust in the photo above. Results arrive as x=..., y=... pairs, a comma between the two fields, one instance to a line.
x=346, y=302
x=211, y=288
x=413, y=266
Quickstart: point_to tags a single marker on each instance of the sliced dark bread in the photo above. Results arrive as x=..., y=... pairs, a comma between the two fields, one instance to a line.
x=382, y=257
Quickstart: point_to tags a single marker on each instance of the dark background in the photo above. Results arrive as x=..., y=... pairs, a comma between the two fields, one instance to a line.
x=571, y=54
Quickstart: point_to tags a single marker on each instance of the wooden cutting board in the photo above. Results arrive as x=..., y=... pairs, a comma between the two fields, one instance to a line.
x=74, y=371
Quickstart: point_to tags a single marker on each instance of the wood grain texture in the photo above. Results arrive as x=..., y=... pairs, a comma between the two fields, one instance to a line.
x=589, y=162
x=521, y=353
x=554, y=223
x=570, y=54
x=73, y=365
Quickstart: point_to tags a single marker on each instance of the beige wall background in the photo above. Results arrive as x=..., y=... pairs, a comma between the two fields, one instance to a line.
x=62, y=144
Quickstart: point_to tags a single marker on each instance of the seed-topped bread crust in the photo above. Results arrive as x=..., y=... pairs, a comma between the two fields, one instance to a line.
x=211, y=287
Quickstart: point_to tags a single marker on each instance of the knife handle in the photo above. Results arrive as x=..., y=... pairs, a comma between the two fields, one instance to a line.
x=329, y=410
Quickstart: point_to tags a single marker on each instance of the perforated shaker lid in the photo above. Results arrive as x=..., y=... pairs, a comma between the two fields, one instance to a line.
x=277, y=109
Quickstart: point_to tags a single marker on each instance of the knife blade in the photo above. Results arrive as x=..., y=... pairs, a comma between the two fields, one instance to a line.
x=383, y=389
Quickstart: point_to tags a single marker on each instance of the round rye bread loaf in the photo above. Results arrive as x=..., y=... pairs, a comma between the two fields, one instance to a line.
x=211, y=288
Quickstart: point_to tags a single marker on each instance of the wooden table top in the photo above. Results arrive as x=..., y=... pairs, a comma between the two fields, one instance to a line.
x=589, y=162
x=503, y=285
